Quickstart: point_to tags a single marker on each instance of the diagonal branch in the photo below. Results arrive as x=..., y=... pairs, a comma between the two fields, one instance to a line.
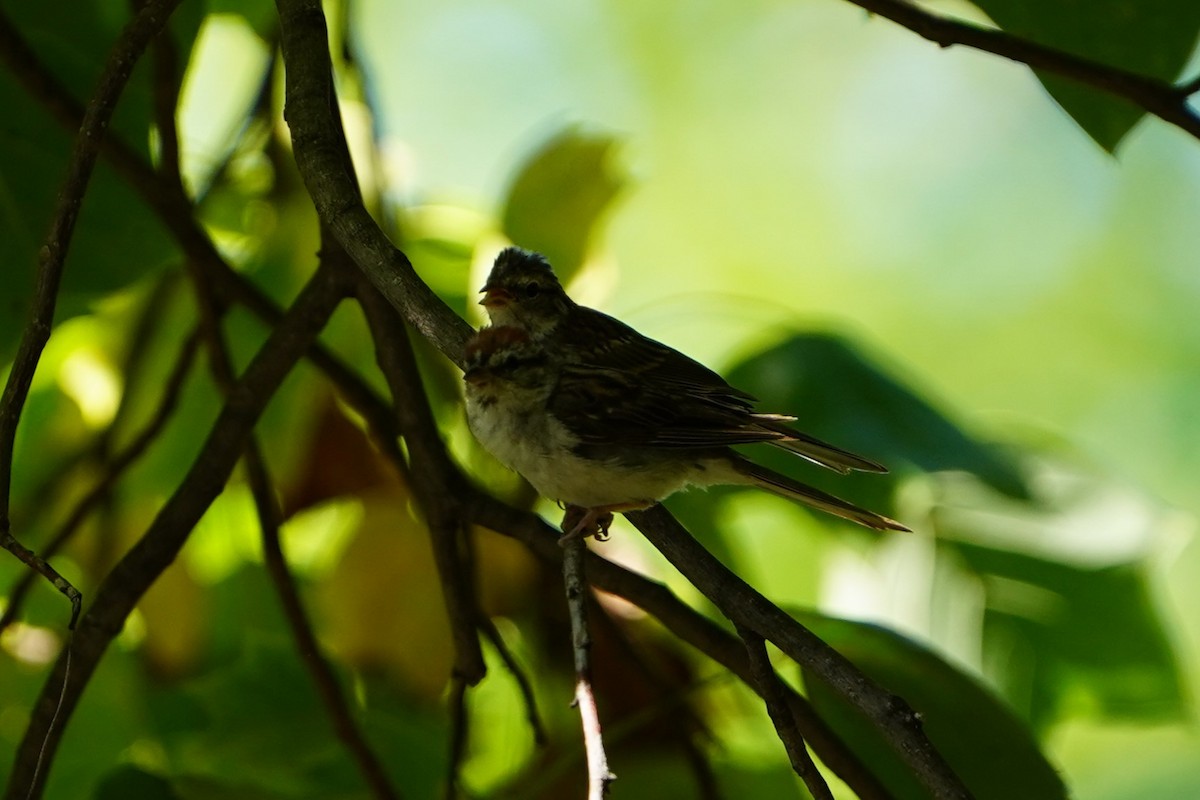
x=324, y=678
x=144, y=562
x=744, y=606
x=1168, y=103
x=128, y=48
x=433, y=479
x=321, y=156
x=771, y=689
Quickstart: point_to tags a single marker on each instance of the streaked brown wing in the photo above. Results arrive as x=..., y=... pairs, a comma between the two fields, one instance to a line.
x=622, y=388
x=607, y=343
x=610, y=407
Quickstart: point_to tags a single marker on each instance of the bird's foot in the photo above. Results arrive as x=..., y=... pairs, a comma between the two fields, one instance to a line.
x=580, y=523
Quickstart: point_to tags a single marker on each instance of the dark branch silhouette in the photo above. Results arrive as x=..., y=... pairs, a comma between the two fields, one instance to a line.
x=1165, y=101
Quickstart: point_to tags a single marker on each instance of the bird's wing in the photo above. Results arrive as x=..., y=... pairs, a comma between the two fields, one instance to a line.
x=610, y=407
x=629, y=389
x=601, y=341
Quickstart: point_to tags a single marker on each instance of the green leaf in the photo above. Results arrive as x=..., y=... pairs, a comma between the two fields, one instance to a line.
x=985, y=743
x=844, y=397
x=559, y=197
x=1091, y=639
x=1150, y=37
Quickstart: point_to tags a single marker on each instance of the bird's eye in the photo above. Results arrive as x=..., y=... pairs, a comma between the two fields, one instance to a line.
x=532, y=289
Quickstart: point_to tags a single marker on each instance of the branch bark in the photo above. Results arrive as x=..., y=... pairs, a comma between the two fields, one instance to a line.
x=744, y=606
x=125, y=52
x=158, y=547
x=1165, y=101
x=321, y=158
x=599, y=776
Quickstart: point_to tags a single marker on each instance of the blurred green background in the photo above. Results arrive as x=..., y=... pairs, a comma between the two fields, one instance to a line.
x=914, y=249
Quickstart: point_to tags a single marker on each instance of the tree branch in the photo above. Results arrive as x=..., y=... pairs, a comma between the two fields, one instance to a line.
x=771, y=689
x=52, y=258
x=434, y=482
x=599, y=776
x=323, y=676
x=1165, y=101
x=144, y=562
x=684, y=622
x=321, y=158
x=744, y=606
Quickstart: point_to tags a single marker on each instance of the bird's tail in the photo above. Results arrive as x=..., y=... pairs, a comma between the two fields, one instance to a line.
x=753, y=474
x=812, y=448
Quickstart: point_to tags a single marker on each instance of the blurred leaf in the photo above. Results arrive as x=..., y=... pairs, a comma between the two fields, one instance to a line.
x=386, y=599
x=1150, y=37
x=128, y=781
x=845, y=398
x=982, y=739
x=559, y=196
x=1090, y=636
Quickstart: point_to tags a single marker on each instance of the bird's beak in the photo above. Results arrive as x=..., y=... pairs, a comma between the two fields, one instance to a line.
x=495, y=297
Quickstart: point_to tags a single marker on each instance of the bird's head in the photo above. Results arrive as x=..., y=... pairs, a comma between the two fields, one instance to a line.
x=503, y=356
x=522, y=292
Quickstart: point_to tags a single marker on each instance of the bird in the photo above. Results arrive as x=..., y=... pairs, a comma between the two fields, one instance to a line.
x=604, y=419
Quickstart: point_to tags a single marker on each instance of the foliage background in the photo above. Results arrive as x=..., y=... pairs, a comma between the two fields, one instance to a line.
x=815, y=201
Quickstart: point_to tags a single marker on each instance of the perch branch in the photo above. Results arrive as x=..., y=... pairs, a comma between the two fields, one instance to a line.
x=744, y=606
x=684, y=622
x=599, y=776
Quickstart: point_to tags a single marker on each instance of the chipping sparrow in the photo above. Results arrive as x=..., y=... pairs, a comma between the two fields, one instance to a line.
x=696, y=408
x=605, y=440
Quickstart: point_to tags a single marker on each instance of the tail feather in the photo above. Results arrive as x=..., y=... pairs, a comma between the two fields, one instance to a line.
x=813, y=449
x=810, y=496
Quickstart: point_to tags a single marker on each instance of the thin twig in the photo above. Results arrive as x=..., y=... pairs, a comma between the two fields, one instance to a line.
x=52, y=258
x=599, y=776
x=524, y=685
x=434, y=483
x=114, y=469
x=323, y=676
x=1160, y=98
x=124, y=586
x=771, y=689
x=684, y=725
x=460, y=728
